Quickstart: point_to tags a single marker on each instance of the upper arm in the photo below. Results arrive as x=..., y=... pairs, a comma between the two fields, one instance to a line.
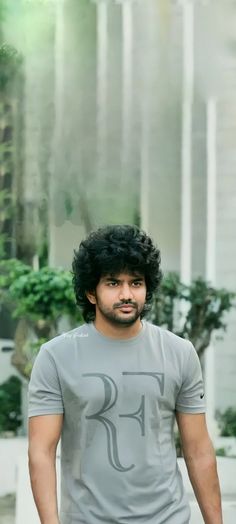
x=193, y=432
x=190, y=397
x=44, y=393
x=44, y=432
x=45, y=405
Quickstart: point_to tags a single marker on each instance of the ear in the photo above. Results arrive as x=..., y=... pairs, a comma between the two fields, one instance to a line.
x=91, y=297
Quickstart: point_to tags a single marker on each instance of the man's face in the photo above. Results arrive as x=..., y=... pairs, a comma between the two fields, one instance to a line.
x=120, y=299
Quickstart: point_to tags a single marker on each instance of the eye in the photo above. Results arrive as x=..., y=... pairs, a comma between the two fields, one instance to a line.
x=137, y=283
x=112, y=283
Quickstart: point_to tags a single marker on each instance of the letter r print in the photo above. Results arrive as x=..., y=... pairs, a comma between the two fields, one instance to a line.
x=110, y=399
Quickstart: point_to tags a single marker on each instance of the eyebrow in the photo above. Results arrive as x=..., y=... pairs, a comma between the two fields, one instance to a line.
x=133, y=277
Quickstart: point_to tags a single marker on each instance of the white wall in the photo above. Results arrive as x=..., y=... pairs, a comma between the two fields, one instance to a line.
x=225, y=385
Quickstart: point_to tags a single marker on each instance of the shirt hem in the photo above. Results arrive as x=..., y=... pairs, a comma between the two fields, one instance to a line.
x=183, y=409
x=34, y=413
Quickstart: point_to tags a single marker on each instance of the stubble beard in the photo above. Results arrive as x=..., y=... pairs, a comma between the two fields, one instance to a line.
x=112, y=315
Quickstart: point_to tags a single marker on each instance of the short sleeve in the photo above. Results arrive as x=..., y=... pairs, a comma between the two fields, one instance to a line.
x=191, y=395
x=44, y=393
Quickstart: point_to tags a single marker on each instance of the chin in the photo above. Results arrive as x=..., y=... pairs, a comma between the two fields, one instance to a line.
x=126, y=321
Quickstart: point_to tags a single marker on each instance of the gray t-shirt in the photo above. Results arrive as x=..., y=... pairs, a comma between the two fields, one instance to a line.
x=118, y=397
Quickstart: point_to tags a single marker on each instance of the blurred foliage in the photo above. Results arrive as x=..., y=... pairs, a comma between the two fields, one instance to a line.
x=227, y=422
x=10, y=60
x=44, y=294
x=6, y=211
x=193, y=312
x=10, y=401
x=38, y=299
x=221, y=452
x=10, y=271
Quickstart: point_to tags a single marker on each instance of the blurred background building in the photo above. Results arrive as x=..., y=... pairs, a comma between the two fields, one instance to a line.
x=125, y=112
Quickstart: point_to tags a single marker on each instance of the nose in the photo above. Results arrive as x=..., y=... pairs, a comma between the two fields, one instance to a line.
x=125, y=292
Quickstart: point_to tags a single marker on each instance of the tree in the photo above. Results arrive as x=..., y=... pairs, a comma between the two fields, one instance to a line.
x=10, y=62
x=206, y=311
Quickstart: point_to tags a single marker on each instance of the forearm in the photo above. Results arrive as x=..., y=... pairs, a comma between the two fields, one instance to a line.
x=203, y=475
x=43, y=482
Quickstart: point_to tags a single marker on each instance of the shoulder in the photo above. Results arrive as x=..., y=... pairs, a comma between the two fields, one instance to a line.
x=66, y=340
x=172, y=345
x=168, y=338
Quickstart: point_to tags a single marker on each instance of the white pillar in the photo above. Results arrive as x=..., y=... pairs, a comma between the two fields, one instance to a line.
x=102, y=85
x=144, y=186
x=211, y=191
x=186, y=153
x=145, y=189
x=211, y=253
x=127, y=74
x=58, y=126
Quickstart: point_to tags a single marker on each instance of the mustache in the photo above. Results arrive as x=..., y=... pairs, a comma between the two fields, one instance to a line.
x=125, y=303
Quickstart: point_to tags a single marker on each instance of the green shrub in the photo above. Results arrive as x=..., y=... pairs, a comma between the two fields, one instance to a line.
x=227, y=422
x=221, y=452
x=43, y=294
x=10, y=401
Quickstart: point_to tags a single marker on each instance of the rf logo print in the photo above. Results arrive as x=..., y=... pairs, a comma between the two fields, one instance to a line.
x=110, y=399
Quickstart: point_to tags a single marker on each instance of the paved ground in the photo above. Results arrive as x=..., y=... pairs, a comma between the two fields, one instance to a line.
x=7, y=509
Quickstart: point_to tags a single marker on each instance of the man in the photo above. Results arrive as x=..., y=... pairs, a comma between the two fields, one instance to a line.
x=111, y=389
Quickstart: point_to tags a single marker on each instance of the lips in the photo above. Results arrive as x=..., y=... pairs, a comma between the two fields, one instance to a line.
x=126, y=307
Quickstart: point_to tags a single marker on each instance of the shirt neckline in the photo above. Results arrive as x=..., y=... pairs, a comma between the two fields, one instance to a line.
x=127, y=341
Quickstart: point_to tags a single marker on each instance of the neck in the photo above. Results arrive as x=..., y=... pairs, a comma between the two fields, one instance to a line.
x=117, y=331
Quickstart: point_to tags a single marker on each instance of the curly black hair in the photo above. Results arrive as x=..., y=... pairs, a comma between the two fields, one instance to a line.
x=109, y=251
